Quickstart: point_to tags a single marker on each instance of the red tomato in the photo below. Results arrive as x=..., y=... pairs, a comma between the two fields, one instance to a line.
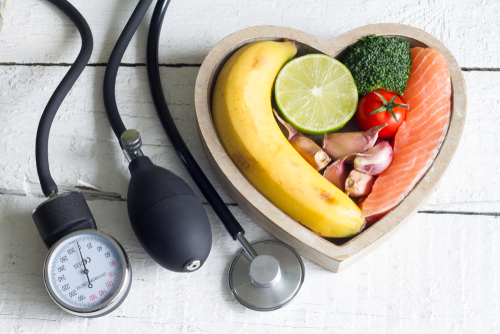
x=380, y=104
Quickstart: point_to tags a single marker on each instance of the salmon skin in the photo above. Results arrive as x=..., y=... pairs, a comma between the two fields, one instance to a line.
x=419, y=138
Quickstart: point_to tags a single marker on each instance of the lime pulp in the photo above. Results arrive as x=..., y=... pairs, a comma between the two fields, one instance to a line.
x=316, y=94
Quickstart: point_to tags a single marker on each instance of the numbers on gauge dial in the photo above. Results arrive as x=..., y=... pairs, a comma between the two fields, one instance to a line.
x=87, y=276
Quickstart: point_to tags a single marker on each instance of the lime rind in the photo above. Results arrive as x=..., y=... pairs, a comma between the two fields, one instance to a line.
x=316, y=94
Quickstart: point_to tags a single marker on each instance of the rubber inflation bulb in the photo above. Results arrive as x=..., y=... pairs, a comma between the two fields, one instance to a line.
x=167, y=216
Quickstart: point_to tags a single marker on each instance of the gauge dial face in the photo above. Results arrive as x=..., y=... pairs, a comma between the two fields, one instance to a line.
x=85, y=271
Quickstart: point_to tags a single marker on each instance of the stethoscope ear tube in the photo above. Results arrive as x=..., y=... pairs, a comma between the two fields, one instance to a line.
x=232, y=226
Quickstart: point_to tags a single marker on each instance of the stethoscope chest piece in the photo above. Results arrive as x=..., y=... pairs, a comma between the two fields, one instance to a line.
x=271, y=280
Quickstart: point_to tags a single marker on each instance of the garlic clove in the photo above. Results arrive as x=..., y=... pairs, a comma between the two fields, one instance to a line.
x=310, y=151
x=305, y=146
x=291, y=130
x=338, y=145
x=337, y=173
x=375, y=160
x=359, y=184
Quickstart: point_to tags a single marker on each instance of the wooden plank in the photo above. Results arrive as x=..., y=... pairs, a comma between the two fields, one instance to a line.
x=82, y=146
x=36, y=33
x=424, y=279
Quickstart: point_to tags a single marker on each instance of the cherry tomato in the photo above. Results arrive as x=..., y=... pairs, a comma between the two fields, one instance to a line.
x=379, y=107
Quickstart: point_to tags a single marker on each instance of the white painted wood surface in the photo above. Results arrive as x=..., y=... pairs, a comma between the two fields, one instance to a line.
x=439, y=274
x=34, y=33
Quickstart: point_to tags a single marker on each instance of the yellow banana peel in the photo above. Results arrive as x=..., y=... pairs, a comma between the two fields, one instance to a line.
x=244, y=120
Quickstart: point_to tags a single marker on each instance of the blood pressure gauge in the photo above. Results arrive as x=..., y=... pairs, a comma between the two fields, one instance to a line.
x=87, y=273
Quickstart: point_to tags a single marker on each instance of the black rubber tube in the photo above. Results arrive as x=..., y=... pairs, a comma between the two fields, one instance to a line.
x=220, y=208
x=114, y=63
x=42, y=136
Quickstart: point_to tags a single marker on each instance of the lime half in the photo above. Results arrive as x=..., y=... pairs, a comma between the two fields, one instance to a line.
x=316, y=94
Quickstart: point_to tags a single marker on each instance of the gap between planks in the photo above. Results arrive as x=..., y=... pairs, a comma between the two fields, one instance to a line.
x=99, y=64
x=465, y=69
x=108, y=196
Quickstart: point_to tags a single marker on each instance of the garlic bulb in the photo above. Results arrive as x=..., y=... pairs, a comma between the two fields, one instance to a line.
x=306, y=147
x=338, y=145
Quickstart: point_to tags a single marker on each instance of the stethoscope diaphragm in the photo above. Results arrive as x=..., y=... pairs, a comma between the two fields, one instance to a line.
x=270, y=280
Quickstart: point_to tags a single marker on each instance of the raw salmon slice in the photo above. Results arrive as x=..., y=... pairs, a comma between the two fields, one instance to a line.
x=419, y=138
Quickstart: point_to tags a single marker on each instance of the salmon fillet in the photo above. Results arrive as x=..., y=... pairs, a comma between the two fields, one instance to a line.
x=419, y=138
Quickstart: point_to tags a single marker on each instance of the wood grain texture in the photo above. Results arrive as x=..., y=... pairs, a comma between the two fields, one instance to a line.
x=81, y=128
x=424, y=279
x=35, y=33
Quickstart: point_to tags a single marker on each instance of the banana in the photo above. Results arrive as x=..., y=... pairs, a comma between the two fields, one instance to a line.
x=244, y=120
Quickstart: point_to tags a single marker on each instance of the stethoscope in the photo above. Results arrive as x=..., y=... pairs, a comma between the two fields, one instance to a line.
x=167, y=216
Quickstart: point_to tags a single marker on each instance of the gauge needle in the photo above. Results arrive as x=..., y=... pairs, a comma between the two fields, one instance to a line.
x=86, y=271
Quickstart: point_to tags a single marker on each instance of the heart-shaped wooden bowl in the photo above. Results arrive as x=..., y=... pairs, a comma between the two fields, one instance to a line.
x=333, y=255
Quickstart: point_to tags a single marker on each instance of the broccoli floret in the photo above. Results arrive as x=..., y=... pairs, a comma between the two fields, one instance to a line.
x=379, y=63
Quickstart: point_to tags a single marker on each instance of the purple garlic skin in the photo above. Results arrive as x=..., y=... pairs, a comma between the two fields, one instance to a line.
x=338, y=145
x=306, y=147
x=359, y=184
x=375, y=160
x=337, y=173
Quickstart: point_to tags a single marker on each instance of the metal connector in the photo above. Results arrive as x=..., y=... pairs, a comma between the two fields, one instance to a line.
x=131, y=143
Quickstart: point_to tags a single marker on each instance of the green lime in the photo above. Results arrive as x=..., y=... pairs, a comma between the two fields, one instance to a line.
x=316, y=94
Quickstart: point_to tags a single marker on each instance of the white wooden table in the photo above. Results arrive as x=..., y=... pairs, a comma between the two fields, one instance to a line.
x=439, y=274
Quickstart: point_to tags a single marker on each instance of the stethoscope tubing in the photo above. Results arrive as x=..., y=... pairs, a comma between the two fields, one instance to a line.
x=231, y=224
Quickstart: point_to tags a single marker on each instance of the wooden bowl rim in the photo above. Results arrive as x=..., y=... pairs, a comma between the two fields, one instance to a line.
x=293, y=230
